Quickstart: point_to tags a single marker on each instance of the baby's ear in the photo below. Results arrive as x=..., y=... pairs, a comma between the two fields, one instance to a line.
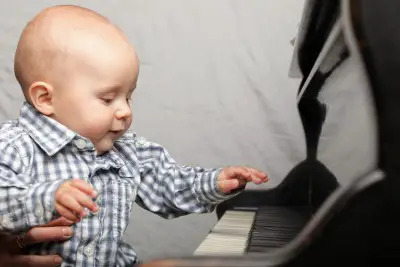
x=40, y=95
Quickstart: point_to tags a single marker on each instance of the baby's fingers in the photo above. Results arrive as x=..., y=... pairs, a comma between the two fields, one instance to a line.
x=258, y=174
x=238, y=173
x=250, y=175
x=83, y=186
x=66, y=213
x=69, y=199
x=85, y=201
x=75, y=200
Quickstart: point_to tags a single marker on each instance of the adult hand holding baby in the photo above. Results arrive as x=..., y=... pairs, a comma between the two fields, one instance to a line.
x=235, y=177
x=72, y=197
x=13, y=255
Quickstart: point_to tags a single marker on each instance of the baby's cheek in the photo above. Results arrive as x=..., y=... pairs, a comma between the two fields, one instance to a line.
x=95, y=127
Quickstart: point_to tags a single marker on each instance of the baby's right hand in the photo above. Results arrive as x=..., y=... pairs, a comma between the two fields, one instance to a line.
x=72, y=197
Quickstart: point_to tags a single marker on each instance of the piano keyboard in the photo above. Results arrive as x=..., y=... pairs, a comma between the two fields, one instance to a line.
x=230, y=235
x=276, y=226
x=255, y=230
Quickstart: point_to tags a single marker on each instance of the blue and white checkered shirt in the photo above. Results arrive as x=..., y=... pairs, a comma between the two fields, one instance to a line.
x=38, y=154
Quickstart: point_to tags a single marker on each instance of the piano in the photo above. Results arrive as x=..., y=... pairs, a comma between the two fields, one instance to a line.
x=340, y=205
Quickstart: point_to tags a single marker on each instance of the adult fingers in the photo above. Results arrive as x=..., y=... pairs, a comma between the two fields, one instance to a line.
x=34, y=261
x=46, y=234
x=61, y=221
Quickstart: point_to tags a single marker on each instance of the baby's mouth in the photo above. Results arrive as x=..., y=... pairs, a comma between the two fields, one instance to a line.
x=116, y=132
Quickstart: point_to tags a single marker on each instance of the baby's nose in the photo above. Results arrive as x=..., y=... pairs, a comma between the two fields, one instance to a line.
x=123, y=113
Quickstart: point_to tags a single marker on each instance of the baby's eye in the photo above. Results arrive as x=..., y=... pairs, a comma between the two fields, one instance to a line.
x=107, y=100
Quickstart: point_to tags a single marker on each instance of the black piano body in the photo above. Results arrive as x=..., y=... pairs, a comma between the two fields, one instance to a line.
x=342, y=202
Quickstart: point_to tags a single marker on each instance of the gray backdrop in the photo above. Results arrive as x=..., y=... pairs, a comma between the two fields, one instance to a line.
x=213, y=89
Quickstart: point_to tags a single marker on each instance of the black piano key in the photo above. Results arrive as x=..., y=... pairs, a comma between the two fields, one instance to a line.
x=275, y=226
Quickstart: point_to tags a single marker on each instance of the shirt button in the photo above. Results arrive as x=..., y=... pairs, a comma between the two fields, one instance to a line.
x=39, y=211
x=48, y=214
x=142, y=142
x=5, y=221
x=88, y=250
x=80, y=144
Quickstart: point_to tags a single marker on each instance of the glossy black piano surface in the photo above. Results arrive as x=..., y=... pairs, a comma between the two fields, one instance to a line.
x=339, y=206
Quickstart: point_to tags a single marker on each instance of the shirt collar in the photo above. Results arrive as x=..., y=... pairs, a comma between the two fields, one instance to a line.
x=49, y=134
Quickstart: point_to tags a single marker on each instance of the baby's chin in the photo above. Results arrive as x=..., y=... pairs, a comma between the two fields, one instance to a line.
x=104, y=147
x=107, y=142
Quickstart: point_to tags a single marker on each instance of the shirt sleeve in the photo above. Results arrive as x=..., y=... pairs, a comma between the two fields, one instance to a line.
x=171, y=190
x=23, y=203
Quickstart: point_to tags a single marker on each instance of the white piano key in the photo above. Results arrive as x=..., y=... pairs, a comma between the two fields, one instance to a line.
x=229, y=236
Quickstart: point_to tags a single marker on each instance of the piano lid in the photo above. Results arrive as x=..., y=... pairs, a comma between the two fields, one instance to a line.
x=346, y=142
x=315, y=24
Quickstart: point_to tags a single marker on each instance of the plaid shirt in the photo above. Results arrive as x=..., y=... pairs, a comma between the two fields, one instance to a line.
x=38, y=154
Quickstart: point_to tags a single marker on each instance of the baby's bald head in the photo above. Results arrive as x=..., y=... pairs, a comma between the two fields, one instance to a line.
x=52, y=36
x=77, y=68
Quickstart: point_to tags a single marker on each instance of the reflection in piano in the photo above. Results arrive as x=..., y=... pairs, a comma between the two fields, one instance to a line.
x=339, y=206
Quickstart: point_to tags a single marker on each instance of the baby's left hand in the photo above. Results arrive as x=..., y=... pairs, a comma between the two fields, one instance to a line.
x=234, y=177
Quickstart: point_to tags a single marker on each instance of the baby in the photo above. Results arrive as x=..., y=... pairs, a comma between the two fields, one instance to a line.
x=70, y=154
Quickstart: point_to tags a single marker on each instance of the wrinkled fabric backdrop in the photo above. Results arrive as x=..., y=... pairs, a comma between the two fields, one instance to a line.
x=213, y=89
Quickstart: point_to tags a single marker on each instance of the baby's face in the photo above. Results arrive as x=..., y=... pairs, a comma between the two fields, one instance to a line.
x=93, y=95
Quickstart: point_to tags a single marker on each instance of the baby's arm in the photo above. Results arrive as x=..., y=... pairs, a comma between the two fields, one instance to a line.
x=23, y=203
x=171, y=190
x=72, y=197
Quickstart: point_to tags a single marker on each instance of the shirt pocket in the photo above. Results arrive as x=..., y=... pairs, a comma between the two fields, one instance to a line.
x=124, y=194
